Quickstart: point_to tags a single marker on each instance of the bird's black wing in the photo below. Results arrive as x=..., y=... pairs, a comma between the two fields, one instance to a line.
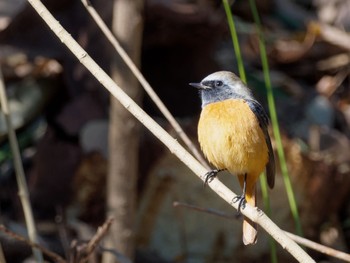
x=264, y=122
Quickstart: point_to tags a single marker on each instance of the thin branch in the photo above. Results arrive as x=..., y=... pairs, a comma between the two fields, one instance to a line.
x=53, y=255
x=147, y=87
x=95, y=240
x=225, y=193
x=206, y=210
x=300, y=240
x=23, y=192
x=320, y=248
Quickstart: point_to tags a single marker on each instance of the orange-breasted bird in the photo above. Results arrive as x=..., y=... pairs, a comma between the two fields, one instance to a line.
x=233, y=135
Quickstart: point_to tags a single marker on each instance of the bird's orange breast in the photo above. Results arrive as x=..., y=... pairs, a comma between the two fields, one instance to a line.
x=231, y=138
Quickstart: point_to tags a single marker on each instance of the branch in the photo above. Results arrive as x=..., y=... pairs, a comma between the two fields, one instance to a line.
x=320, y=248
x=147, y=87
x=205, y=210
x=44, y=250
x=95, y=240
x=300, y=240
x=23, y=192
x=252, y=213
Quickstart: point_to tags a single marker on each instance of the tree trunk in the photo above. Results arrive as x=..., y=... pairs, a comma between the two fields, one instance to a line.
x=124, y=133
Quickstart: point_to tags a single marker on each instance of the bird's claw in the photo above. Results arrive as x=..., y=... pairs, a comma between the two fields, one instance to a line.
x=209, y=176
x=241, y=204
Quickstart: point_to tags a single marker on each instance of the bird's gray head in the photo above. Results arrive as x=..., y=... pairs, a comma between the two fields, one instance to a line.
x=222, y=85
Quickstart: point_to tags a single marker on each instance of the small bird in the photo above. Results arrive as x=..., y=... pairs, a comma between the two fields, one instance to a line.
x=233, y=135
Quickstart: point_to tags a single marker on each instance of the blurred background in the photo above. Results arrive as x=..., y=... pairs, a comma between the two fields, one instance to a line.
x=86, y=158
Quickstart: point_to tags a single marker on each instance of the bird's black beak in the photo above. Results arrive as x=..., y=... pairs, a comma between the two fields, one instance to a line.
x=198, y=85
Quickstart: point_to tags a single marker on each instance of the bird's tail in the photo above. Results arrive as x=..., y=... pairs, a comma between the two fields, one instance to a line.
x=250, y=231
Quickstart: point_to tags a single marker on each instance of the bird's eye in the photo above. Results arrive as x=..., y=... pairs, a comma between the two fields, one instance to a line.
x=218, y=83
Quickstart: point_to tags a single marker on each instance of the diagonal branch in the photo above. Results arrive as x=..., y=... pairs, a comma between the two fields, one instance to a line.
x=254, y=214
x=35, y=245
x=147, y=87
x=300, y=240
x=320, y=248
x=95, y=240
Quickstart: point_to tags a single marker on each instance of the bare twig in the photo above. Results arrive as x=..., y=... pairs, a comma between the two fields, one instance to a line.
x=163, y=109
x=82, y=251
x=300, y=240
x=320, y=248
x=20, y=178
x=44, y=250
x=206, y=210
x=252, y=213
x=95, y=240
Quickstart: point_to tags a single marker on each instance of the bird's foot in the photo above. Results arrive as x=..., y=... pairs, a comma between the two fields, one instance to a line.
x=241, y=204
x=209, y=176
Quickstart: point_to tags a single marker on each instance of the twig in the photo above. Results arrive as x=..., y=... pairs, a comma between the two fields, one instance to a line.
x=42, y=249
x=206, y=210
x=20, y=178
x=320, y=248
x=95, y=240
x=300, y=240
x=252, y=213
x=163, y=109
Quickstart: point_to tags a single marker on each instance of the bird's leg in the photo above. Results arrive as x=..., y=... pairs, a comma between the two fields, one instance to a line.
x=209, y=176
x=241, y=198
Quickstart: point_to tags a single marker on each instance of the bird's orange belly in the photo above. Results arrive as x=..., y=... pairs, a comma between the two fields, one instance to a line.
x=231, y=138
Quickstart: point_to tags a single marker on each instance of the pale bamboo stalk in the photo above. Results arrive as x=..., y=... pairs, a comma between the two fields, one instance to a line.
x=23, y=192
x=144, y=83
x=252, y=213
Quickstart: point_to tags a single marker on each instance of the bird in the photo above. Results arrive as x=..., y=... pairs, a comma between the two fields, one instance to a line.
x=233, y=135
